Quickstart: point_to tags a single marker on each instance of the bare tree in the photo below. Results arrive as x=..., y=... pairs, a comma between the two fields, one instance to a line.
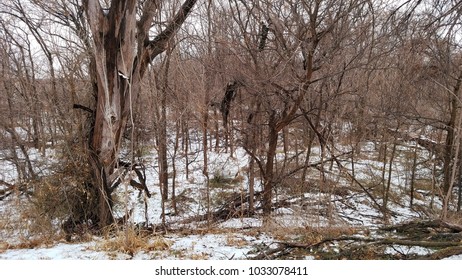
x=284, y=55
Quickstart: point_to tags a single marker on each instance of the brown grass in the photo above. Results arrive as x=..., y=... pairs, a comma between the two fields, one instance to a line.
x=23, y=226
x=131, y=241
x=4, y=246
x=313, y=235
x=235, y=241
x=454, y=218
x=201, y=256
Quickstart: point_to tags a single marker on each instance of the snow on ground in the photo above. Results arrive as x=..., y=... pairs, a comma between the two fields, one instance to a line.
x=7, y=172
x=207, y=246
x=407, y=250
x=237, y=238
x=455, y=257
x=57, y=252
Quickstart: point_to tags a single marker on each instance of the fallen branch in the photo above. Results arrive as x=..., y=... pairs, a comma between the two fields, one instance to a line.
x=424, y=224
x=378, y=241
x=272, y=254
x=445, y=253
x=232, y=208
x=426, y=244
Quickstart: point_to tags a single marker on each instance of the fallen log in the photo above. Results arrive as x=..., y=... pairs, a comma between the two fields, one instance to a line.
x=445, y=253
x=446, y=249
x=272, y=254
x=377, y=241
x=423, y=224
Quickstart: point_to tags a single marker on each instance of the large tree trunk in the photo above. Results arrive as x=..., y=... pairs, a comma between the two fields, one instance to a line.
x=114, y=57
x=121, y=50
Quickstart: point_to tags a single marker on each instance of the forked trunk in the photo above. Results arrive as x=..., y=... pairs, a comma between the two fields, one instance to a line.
x=121, y=52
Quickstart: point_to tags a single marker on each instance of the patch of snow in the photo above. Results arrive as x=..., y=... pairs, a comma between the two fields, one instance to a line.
x=57, y=252
x=241, y=223
x=455, y=257
x=207, y=246
x=408, y=250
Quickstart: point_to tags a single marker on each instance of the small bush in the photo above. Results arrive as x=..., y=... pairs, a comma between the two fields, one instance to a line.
x=64, y=199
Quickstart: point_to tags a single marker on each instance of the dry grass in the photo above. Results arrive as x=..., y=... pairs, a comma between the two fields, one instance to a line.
x=307, y=234
x=33, y=243
x=223, y=183
x=200, y=256
x=235, y=241
x=25, y=227
x=454, y=218
x=319, y=233
x=34, y=219
x=131, y=241
x=4, y=246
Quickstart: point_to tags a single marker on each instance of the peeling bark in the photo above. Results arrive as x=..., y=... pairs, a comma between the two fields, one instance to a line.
x=122, y=51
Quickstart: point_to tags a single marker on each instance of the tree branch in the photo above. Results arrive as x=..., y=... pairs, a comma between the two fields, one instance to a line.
x=95, y=16
x=81, y=107
x=159, y=43
x=144, y=24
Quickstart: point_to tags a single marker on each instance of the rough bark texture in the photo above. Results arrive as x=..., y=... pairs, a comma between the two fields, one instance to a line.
x=122, y=51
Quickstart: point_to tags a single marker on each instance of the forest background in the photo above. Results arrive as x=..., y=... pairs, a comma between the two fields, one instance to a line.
x=312, y=122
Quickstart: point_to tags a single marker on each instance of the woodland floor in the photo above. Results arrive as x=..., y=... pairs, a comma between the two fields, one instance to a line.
x=341, y=220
